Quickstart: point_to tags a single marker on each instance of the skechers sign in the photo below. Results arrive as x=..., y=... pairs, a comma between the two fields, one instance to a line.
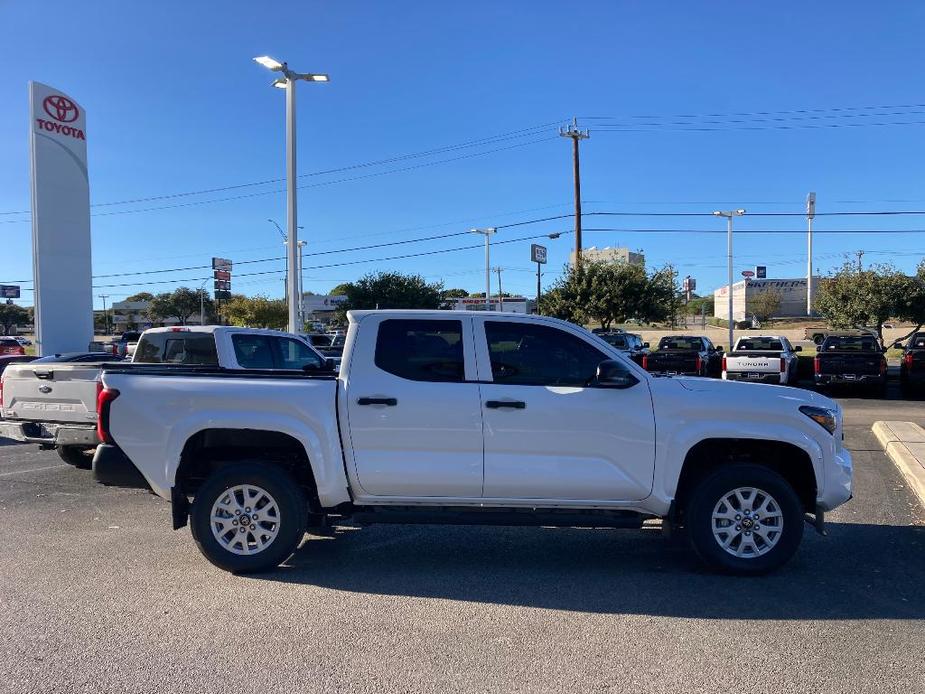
x=62, y=111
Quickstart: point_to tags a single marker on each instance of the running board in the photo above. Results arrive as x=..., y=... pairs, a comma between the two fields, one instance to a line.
x=461, y=515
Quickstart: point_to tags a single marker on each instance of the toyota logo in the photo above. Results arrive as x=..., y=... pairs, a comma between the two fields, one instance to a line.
x=61, y=108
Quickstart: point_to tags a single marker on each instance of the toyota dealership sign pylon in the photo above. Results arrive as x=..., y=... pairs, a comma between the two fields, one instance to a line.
x=60, y=221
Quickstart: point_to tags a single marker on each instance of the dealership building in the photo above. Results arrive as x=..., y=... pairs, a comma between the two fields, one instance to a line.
x=792, y=297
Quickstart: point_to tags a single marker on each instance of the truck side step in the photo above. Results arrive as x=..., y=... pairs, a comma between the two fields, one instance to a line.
x=463, y=515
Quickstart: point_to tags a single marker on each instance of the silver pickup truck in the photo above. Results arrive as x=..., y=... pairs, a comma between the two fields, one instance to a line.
x=52, y=401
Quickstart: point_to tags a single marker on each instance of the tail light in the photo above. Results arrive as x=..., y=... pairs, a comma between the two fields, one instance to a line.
x=699, y=363
x=104, y=398
x=908, y=359
x=645, y=362
x=1, y=392
x=22, y=350
x=783, y=365
x=115, y=349
x=817, y=365
x=724, y=364
x=883, y=366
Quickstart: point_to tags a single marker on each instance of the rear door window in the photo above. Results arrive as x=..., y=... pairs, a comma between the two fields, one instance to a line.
x=421, y=350
x=190, y=349
x=294, y=354
x=150, y=349
x=253, y=351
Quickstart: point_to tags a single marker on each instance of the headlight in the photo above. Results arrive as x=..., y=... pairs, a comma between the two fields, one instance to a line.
x=822, y=416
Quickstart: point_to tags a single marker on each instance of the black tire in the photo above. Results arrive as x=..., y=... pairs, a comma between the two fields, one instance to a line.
x=291, y=520
x=78, y=456
x=708, y=493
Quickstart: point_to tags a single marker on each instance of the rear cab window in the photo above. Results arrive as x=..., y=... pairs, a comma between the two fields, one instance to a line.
x=421, y=350
x=850, y=344
x=761, y=344
x=688, y=344
x=176, y=347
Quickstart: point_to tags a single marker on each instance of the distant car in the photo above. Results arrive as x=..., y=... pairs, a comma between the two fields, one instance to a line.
x=125, y=345
x=628, y=343
x=14, y=359
x=763, y=359
x=24, y=341
x=688, y=355
x=9, y=345
x=912, y=364
x=82, y=357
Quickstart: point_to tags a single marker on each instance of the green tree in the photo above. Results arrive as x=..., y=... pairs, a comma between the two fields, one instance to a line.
x=180, y=304
x=455, y=293
x=12, y=315
x=851, y=298
x=391, y=290
x=698, y=303
x=340, y=289
x=765, y=305
x=610, y=292
x=140, y=296
x=256, y=312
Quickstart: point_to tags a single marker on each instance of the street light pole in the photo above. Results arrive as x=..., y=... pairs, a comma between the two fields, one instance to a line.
x=810, y=213
x=729, y=215
x=487, y=233
x=288, y=82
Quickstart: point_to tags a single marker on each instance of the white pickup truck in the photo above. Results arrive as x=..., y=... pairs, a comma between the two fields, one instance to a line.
x=487, y=418
x=53, y=403
x=762, y=359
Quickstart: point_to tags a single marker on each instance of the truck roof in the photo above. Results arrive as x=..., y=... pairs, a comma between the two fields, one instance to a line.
x=209, y=329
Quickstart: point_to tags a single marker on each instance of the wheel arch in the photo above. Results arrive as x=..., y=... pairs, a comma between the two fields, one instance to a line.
x=790, y=461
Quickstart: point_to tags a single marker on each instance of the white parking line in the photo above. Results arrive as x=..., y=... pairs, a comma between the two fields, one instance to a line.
x=35, y=469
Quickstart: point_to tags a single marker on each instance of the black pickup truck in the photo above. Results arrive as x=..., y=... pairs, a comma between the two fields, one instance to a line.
x=687, y=355
x=912, y=365
x=855, y=360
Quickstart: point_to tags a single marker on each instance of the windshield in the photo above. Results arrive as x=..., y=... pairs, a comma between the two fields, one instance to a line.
x=850, y=344
x=689, y=344
x=769, y=344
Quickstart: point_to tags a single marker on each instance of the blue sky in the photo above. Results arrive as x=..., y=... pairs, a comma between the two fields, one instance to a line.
x=175, y=104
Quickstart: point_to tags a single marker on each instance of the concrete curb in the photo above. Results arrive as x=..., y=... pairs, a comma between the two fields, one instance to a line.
x=904, y=444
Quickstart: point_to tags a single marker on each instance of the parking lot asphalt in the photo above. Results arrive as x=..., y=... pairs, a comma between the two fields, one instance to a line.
x=98, y=594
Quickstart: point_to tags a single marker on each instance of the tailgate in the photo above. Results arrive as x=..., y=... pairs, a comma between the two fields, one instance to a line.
x=753, y=363
x=678, y=362
x=855, y=364
x=51, y=392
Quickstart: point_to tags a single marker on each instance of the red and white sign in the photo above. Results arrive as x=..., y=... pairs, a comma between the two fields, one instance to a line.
x=60, y=221
x=748, y=273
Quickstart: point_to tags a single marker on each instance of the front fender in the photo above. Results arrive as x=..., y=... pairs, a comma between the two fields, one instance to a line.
x=670, y=459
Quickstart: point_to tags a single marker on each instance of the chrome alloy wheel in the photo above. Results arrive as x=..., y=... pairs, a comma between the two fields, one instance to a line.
x=747, y=522
x=245, y=519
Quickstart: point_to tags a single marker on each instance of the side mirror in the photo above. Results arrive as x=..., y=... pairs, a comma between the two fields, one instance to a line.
x=718, y=348
x=645, y=345
x=612, y=374
x=798, y=349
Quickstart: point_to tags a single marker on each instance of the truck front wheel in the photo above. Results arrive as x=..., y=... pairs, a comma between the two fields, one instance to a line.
x=248, y=517
x=744, y=519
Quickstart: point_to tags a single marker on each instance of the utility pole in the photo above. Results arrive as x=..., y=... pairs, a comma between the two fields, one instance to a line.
x=810, y=213
x=105, y=314
x=487, y=233
x=498, y=269
x=572, y=131
x=860, y=254
x=538, y=288
x=729, y=214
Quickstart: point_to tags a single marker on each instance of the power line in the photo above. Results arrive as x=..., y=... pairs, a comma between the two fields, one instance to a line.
x=487, y=141
x=767, y=113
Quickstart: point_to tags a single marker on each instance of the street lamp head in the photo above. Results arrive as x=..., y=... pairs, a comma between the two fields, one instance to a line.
x=269, y=63
x=717, y=213
x=281, y=83
x=740, y=212
x=317, y=78
x=555, y=235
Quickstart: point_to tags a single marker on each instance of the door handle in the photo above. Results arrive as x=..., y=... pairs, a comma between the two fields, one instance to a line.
x=390, y=402
x=498, y=404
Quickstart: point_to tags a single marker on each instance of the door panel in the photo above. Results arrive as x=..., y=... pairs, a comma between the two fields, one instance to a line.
x=569, y=440
x=415, y=426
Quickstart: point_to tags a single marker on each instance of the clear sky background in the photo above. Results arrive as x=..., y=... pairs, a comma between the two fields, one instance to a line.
x=176, y=105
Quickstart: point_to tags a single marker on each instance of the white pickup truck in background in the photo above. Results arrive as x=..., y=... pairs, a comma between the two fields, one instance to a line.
x=762, y=359
x=53, y=402
x=487, y=418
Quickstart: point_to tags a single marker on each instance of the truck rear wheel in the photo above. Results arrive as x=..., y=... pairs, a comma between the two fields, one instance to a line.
x=744, y=519
x=78, y=456
x=248, y=517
